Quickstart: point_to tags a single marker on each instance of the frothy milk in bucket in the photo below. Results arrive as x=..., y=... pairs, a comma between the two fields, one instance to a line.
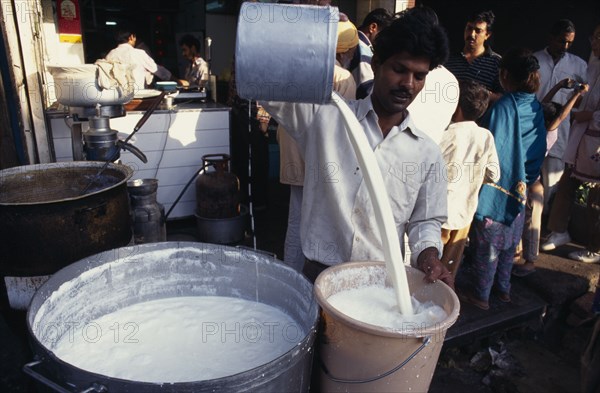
x=376, y=305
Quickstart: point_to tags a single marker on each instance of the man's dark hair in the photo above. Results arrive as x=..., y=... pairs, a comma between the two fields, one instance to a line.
x=473, y=100
x=189, y=41
x=380, y=16
x=562, y=26
x=484, y=16
x=122, y=36
x=416, y=31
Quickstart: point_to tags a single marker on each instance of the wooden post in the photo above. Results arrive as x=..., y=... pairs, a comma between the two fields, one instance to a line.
x=25, y=58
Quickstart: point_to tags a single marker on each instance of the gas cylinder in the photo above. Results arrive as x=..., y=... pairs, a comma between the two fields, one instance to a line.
x=149, y=216
x=217, y=189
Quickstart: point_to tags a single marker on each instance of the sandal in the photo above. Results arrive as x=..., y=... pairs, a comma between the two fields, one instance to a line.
x=504, y=297
x=471, y=299
x=522, y=270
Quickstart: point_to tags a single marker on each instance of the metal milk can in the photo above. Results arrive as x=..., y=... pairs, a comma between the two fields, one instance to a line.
x=218, y=190
x=148, y=215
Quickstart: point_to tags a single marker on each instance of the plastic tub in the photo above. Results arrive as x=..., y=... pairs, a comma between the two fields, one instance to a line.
x=359, y=357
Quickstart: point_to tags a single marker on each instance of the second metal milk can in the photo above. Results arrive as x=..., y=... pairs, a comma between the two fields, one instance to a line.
x=149, y=216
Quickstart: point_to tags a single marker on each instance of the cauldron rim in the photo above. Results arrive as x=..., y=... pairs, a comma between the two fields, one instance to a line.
x=125, y=170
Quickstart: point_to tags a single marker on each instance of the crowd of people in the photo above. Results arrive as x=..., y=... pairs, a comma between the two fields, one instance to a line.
x=146, y=71
x=517, y=140
x=522, y=135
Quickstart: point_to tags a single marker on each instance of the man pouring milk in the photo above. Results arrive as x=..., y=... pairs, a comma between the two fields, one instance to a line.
x=338, y=223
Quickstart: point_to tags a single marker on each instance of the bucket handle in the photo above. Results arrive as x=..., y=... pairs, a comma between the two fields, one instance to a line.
x=426, y=341
x=29, y=370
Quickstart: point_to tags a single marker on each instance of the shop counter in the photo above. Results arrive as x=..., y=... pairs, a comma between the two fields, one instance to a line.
x=174, y=142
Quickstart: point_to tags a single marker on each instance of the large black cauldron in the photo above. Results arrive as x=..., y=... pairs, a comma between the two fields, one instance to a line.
x=48, y=221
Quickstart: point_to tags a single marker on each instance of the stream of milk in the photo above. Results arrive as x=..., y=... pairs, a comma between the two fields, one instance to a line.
x=381, y=206
x=180, y=339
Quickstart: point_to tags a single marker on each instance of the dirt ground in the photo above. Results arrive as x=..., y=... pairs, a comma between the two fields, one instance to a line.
x=513, y=362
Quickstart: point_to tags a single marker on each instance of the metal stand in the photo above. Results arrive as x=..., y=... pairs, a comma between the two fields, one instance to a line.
x=77, y=142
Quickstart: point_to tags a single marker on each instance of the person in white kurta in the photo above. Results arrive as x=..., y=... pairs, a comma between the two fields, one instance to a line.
x=471, y=158
x=434, y=106
x=291, y=172
x=144, y=67
x=338, y=221
x=587, y=117
x=291, y=165
x=557, y=64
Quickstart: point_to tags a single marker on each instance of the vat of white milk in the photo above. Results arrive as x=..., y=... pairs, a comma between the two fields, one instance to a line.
x=101, y=284
x=353, y=356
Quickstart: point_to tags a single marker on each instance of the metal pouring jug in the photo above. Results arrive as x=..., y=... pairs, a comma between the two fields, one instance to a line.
x=299, y=68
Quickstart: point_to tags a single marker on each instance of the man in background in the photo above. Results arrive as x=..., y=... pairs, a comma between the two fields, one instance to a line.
x=196, y=71
x=557, y=64
x=144, y=67
x=360, y=66
x=478, y=61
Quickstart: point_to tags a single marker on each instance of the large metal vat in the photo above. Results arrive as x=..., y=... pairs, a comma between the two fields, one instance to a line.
x=115, y=279
x=48, y=223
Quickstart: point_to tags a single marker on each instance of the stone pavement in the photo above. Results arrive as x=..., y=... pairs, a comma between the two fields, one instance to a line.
x=536, y=354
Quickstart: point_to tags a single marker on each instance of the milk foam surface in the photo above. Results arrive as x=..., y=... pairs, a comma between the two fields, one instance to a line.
x=181, y=339
x=376, y=305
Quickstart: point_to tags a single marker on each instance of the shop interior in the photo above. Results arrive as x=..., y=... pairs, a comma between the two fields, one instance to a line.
x=160, y=23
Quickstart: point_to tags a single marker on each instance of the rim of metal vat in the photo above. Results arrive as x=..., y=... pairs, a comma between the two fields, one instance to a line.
x=48, y=361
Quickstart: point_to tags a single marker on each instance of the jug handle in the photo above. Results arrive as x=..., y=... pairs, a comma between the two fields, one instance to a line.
x=426, y=341
x=29, y=370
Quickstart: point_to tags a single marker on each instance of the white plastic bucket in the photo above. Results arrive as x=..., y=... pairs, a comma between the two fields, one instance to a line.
x=354, y=356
